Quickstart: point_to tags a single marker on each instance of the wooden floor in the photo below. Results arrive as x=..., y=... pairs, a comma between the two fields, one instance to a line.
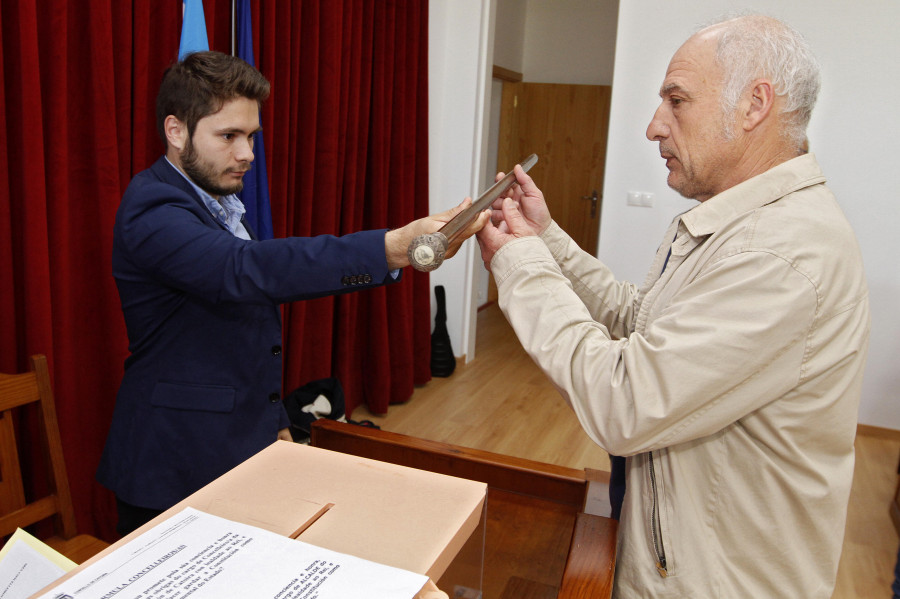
x=502, y=402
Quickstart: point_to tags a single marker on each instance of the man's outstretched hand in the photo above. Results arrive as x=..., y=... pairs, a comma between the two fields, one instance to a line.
x=397, y=241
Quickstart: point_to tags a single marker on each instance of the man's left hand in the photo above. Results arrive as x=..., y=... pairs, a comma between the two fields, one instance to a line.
x=491, y=238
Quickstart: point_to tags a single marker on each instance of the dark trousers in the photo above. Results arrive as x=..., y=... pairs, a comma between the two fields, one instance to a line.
x=132, y=517
x=896, y=586
x=616, y=485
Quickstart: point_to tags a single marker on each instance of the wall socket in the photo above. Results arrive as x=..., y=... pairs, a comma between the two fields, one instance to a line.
x=639, y=198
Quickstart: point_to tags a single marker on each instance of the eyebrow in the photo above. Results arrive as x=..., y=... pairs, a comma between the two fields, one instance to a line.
x=673, y=88
x=237, y=130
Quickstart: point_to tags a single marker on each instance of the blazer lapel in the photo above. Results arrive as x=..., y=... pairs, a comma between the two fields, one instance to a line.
x=165, y=172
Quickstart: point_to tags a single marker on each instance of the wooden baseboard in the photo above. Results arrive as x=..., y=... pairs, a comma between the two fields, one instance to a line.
x=876, y=431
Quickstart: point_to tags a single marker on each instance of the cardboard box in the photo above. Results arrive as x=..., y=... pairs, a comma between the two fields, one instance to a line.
x=394, y=515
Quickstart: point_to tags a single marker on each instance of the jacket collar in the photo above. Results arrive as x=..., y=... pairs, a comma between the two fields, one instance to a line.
x=765, y=188
x=163, y=170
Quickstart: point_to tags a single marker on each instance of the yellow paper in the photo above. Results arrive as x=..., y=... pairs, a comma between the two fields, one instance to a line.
x=42, y=548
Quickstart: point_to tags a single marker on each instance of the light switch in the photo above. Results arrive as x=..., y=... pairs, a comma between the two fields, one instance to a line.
x=639, y=198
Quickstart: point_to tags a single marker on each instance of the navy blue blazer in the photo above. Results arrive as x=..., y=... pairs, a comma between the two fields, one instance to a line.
x=201, y=391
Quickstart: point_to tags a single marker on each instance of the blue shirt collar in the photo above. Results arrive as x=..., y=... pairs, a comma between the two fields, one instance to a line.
x=228, y=211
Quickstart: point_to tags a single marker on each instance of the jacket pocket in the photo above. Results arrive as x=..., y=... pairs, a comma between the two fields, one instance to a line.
x=202, y=398
x=659, y=519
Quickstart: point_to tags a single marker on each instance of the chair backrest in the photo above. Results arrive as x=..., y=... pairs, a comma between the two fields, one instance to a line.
x=17, y=393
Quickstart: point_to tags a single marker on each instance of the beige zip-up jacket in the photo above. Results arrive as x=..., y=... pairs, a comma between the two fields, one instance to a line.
x=731, y=381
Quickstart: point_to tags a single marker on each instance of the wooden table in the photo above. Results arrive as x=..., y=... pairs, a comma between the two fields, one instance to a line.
x=535, y=541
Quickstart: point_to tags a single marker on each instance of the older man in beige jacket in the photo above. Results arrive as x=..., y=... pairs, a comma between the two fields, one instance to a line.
x=731, y=378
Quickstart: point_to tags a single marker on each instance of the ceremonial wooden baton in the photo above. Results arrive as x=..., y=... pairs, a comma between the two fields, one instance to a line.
x=426, y=252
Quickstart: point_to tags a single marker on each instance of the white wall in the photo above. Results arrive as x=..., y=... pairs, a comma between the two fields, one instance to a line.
x=460, y=36
x=509, y=34
x=569, y=41
x=482, y=275
x=853, y=133
x=548, y=41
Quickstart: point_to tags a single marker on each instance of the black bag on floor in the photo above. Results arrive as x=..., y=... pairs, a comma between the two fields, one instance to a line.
x=322, y=398
x=443, y=362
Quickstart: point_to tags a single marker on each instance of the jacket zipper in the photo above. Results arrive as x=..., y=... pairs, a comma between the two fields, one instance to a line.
x=655, y=528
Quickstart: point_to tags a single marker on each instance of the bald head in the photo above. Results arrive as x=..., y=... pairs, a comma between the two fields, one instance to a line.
x=735, y=103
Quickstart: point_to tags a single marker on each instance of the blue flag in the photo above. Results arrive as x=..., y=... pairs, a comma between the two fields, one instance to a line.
x=255, y=195
x=193, y=29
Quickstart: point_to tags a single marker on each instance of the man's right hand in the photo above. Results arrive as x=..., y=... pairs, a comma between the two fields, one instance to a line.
x=397, y=241
x=520, y=213
x=529, y=201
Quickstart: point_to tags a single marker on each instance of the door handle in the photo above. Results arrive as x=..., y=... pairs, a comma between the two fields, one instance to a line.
x=594, y=198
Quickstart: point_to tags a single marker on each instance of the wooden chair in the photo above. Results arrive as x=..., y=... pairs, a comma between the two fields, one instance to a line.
x=17, y=393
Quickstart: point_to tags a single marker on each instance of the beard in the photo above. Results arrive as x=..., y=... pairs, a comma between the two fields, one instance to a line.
x=681, y=176
x=700, y=177
x=205, y=174
x=686, y=182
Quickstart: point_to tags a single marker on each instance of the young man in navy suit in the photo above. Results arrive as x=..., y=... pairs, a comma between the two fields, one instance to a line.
x=201, y=390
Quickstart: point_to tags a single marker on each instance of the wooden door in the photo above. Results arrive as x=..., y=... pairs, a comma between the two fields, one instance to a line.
x=566, y=126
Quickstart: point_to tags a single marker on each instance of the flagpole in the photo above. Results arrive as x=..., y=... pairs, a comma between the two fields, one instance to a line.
x=233, y=28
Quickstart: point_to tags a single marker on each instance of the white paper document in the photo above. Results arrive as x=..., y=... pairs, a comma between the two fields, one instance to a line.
x=197, y=555
x=25, y=569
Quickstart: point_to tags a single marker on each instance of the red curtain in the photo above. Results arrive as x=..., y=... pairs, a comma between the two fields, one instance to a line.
x=347, y=127
x=346, y=146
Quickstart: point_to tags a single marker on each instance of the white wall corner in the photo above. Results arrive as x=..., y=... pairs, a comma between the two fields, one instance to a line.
x=460, y=53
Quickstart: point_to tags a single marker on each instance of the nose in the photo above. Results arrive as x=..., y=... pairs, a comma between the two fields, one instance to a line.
x=244, y=150
x=657, y=129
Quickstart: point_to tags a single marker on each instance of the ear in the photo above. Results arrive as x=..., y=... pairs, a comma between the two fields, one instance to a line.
x=176, y=133
x=759, y=104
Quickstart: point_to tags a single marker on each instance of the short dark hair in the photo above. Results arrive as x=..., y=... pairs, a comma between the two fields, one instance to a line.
x=201, y=83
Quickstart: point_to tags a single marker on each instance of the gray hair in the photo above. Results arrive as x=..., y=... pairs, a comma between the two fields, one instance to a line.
x=753, y=46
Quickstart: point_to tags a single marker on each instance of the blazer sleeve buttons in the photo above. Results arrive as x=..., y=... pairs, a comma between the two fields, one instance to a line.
x=350, y=280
